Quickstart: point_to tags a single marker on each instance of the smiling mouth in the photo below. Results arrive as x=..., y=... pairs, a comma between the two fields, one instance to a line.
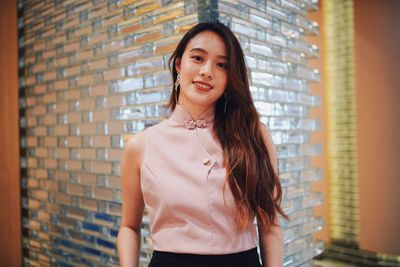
x=203, y=86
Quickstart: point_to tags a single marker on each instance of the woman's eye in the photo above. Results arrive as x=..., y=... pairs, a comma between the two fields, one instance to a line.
x=222, y=65
x=197, y=58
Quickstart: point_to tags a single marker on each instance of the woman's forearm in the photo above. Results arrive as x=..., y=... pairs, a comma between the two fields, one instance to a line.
x=128, y=242
x=271, y=247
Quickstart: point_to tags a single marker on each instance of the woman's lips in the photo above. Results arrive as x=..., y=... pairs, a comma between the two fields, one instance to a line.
x=202, y=85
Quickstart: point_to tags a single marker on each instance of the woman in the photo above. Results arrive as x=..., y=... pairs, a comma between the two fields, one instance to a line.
x=208, y=170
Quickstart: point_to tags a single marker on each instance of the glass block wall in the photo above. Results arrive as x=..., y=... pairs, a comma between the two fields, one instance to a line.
x=273, y=36
x=94, y=72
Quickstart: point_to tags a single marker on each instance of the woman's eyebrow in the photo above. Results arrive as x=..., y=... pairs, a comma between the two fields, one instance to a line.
x=205, y=52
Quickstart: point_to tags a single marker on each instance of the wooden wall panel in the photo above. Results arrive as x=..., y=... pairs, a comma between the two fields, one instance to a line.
x=10, y=210
x=377, y=43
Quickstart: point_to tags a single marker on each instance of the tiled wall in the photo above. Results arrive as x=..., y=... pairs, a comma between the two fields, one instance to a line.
x=93, y=72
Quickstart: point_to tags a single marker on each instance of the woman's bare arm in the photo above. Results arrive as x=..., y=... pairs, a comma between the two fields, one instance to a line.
x=129, y=238
x=271, y=246
x=271, y=241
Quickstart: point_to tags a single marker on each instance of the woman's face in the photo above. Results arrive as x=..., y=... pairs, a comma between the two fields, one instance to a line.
x=203, y=70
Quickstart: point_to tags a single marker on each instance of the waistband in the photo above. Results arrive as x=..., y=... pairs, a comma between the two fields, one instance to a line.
x=244, y=258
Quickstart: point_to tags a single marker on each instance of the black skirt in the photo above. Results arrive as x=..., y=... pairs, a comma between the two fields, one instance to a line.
x=248, y=258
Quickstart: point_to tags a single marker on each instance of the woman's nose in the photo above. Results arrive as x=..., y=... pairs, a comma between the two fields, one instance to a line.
x=206, y=71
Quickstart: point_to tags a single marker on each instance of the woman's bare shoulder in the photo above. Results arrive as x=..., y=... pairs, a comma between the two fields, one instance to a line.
x=135, y=142
x=266, y=134
x=269, y=143
x=134, y=148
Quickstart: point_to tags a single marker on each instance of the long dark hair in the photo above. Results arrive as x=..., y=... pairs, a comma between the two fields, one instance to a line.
x=250, y=174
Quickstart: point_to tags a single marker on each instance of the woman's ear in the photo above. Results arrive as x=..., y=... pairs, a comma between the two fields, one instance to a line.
x=178, y=64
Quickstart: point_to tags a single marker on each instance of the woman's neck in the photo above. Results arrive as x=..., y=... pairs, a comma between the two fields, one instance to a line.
x=194, y=110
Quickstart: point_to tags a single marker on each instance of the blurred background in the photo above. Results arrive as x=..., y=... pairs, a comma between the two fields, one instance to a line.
x=79, y=77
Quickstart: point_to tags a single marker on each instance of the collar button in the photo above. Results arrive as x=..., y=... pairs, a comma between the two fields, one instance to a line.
x=206, y=161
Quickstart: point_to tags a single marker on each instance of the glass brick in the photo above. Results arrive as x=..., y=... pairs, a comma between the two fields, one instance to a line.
x=267, y=79
x=129, y=85
x=262, y=21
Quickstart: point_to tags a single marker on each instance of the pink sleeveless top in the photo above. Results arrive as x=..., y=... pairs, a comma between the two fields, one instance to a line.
x=190, y=207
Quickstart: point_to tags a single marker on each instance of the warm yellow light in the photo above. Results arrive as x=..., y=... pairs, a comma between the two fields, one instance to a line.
x=341, y=109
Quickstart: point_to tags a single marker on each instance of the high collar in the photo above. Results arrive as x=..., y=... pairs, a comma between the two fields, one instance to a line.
x=181, y=116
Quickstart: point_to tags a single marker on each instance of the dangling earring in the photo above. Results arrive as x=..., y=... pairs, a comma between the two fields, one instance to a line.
x=176, y=85
x=226, y=101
